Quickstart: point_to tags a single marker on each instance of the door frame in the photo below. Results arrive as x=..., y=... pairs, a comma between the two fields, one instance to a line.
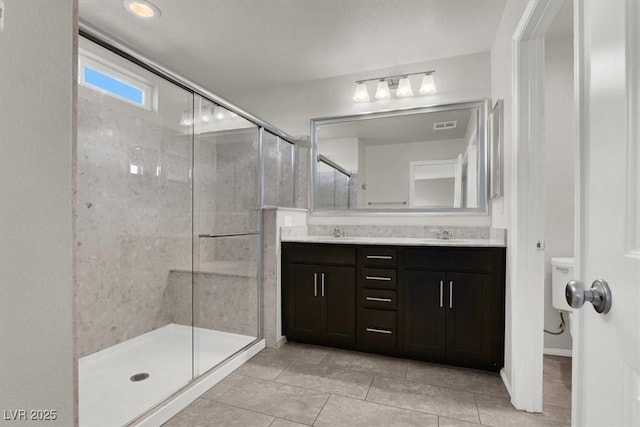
x=527, y=203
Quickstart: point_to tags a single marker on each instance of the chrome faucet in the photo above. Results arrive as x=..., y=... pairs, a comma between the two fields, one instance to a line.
x=443, y=234
x=338, y=233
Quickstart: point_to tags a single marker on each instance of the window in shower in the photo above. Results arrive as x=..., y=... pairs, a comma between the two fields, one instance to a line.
x=114, y=81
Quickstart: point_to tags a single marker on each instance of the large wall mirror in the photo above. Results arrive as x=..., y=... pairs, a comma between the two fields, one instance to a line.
x=428, y=159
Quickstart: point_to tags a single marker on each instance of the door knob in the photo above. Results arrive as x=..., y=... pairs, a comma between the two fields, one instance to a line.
x=599, y=295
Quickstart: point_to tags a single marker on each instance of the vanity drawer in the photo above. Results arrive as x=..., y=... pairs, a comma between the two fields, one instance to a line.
x=378, y=256
x=449, y=259
x=378, y=278
x=378, y=329
x=319, y=254
x=379, y=298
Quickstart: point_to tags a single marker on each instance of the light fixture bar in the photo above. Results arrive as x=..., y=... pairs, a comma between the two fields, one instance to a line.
x=396, y=77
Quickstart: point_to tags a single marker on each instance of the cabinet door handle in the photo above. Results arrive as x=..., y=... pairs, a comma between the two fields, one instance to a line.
x=378, y=299
x=385, y=279
x=322, y=279
x=379, y=257
x=451, y=294
x=441, y=295
x=379, y=331
x=315, y=284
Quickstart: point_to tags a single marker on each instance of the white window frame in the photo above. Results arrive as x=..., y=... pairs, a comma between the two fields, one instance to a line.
x=149, y=91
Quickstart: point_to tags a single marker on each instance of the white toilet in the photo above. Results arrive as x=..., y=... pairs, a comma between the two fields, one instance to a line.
x=561, y=273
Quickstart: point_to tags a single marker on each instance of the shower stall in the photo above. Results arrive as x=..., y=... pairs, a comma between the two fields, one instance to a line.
x=170, y=189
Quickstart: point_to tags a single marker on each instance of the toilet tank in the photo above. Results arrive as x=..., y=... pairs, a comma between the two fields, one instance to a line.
x=561, y=273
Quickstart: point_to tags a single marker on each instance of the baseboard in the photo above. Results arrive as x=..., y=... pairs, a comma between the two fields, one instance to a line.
x=558, y=352
x=505, y=380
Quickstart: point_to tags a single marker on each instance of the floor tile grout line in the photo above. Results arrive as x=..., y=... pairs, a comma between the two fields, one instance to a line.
x=322, y=409
x=475, y=400
x=270, y=415
x=373, y=377
x=238, y=407
x=412, y=410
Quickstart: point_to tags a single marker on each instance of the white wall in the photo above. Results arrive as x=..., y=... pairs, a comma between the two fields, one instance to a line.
x=343, y=151
x=37, y=139
x=558, y=171
x=501, y=88
x=387, y=167
x=290, y=107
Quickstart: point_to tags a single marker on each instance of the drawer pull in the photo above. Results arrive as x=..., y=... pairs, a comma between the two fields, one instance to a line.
x=451, y=294
x=379, y=257
x=378, y=299
x=441, y=284
x=379, y=331
x=384, y=279
x=322, y=274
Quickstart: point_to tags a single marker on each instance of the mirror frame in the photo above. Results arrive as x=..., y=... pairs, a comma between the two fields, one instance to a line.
x=483, y=190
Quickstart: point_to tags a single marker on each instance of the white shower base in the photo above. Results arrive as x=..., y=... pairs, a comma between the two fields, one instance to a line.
x=108, y=398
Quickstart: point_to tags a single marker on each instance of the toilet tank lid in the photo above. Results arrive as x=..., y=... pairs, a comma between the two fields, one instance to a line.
x=562, y=262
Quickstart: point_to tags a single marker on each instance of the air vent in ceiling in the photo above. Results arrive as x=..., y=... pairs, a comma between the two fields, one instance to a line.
x=445, y=125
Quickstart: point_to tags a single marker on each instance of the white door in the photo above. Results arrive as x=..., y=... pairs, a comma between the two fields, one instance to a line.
x=606, y=380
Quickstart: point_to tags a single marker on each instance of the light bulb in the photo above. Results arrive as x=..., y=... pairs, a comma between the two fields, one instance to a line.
x=186, y=119
x=142, y=8
x=205, y=114
x=428, y=85
x=219, y=113
x=382, y=91
x=361, y=94
x=404, y=88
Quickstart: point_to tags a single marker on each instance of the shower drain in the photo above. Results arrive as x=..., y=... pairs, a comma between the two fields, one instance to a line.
x=139, y=377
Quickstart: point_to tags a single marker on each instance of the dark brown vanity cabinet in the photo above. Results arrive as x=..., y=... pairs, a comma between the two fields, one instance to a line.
x=320, y=298
x=454, y=305
x=377, y=299
x=439, y=303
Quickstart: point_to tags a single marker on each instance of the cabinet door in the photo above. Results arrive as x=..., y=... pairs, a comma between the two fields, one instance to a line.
x=424, y=316
x=304, y=304
x=337, y=291
x=468, y=310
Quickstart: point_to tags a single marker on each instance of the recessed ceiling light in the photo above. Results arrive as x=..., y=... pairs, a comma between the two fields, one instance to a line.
x=142, y=8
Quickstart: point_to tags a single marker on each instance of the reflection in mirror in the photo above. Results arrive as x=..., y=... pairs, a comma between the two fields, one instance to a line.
x=423, y=159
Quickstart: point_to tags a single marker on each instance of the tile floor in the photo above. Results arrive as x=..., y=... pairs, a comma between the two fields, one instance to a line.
x=308, y=385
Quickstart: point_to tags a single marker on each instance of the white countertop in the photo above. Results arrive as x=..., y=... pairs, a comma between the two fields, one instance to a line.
x=400, y=241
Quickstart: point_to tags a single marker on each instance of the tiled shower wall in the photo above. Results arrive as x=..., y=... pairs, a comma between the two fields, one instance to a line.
x=134, y=246
x=131, y=228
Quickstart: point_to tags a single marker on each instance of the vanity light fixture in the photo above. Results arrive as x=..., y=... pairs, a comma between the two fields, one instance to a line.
x=142, y=8
x=400, y=85
x=383, y=91
x=428, y=85
x=404, y=88
x=361, y=94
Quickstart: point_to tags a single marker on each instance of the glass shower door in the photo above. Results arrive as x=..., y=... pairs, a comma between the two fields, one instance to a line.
x=134, y=238
x=227, y=242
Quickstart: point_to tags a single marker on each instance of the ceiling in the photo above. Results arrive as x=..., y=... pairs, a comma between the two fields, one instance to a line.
x=236, y=45
x=400, y=129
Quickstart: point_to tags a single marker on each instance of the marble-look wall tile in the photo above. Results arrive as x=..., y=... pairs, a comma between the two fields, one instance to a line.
x=302, y=174
x=273, y=221
x=133, y=220
x=421, y=231
x=221, y=302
